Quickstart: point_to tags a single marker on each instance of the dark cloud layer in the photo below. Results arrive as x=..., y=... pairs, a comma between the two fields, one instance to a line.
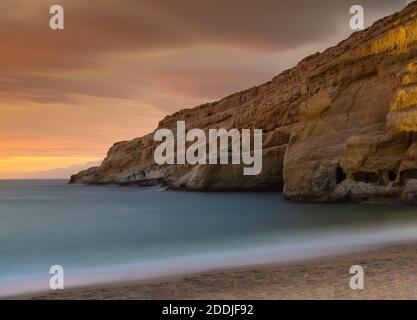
x=51, y=66
x=97, y=27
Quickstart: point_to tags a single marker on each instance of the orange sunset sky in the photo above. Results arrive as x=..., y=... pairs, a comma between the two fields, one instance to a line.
x=118, y=67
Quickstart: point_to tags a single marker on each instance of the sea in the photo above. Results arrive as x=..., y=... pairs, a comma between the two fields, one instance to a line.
x=111, y=234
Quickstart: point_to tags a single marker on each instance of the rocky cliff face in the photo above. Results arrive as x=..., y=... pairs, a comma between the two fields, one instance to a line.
x=340, y=126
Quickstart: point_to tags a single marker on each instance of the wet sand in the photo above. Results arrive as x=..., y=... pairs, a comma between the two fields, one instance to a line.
x=390, y=273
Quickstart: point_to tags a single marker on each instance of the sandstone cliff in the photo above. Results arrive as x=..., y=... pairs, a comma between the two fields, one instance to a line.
x=340, y=126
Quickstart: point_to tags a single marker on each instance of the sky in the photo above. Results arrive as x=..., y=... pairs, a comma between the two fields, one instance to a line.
x=118, y=67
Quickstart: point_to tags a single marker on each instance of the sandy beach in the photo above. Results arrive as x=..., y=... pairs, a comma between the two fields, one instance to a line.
x=390, y=273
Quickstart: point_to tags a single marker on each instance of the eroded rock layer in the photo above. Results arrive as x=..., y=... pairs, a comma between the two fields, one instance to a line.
x=340, y=126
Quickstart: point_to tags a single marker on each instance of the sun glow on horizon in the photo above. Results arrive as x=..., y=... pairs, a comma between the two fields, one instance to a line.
x=29, y=164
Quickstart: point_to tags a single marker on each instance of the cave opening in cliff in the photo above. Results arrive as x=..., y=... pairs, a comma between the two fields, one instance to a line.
x=408, y=174
x=340, y=175
x=366, y=177
x=392, y=176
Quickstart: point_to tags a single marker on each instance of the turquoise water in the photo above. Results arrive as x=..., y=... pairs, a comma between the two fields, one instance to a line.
x=109, y=233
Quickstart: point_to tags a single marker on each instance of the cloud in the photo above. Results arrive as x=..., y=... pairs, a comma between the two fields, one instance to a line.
x=93, y=28
x=45, y=66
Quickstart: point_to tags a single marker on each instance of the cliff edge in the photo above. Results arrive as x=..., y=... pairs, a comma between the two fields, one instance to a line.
x=340, y=126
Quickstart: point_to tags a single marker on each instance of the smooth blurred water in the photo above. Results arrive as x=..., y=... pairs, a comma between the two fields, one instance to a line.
x=109, y=233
